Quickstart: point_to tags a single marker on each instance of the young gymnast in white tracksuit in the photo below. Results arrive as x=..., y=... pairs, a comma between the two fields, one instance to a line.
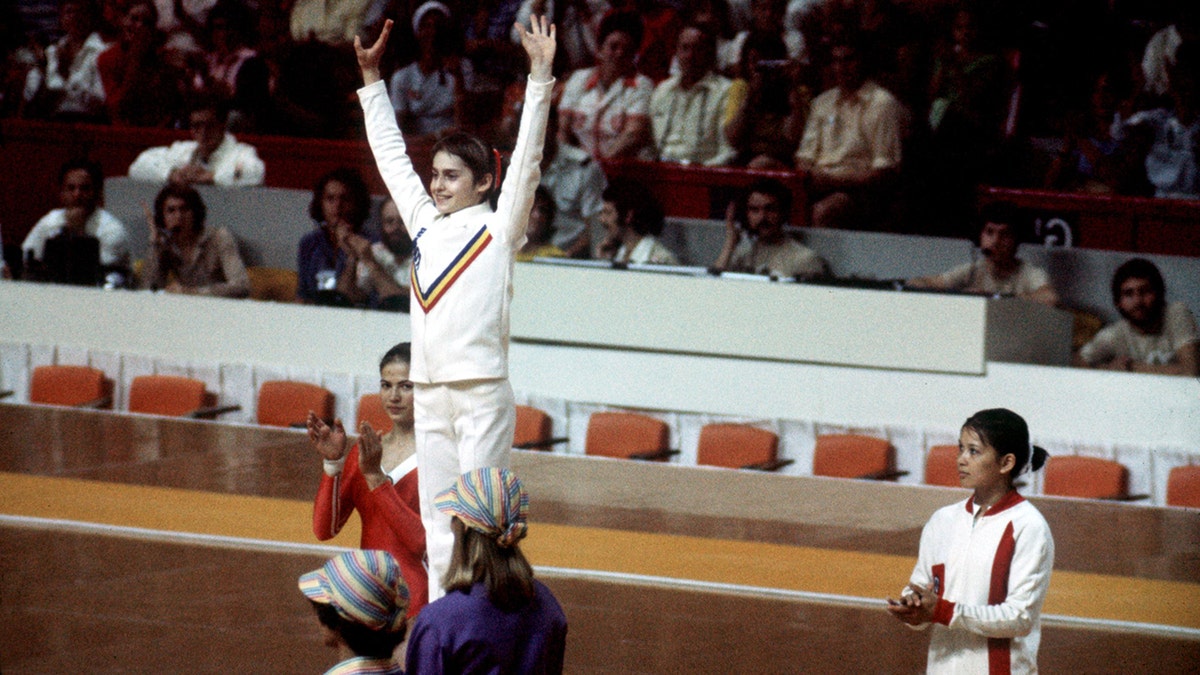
x=463, y=255
x=984, y=563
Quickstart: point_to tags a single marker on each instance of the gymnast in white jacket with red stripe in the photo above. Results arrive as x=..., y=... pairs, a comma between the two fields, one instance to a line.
x=984, y=564
x=463, y=256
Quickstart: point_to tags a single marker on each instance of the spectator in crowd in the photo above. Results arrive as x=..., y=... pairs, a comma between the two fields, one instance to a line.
x=234, y=68
x=1153, y=336
x=425, y=93
x=377, y=477
x=575, y=182
x=690, y=111
x=339, y=207
x=68, y=87
x=999, y=271
x=141, y=88
x=541, y=227
x=606, y=109
x=766, y=19
x=495, y=616
x=1172, y=134
x=632, y=220
x=383, y=266
x=661, y=31
x=187, y=257
x=183, y=15
x=1092, y=159
x=362, y=604
x=81, y=185
x=755, y=240
x=1159, y=56
x=850, y=149
x=212, y=157
x=334, y=23
x=770, y=106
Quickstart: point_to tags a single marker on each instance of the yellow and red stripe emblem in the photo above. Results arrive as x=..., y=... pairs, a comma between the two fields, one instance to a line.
x=427, y=298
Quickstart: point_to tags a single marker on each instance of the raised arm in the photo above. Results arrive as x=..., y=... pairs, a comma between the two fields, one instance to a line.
x=539, y=43
x=370, y=57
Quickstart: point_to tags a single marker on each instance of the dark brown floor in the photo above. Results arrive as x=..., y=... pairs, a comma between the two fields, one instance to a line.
x=91, y=602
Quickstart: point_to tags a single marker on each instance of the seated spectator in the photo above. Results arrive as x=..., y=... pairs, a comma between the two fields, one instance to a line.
x=1161, y=50
x=334, y=22
x=140, y=87
x=234, y=69
x=766, y=18
x=495, y=616
x=540, y=228
x=187, y=257
x=770, y=108
x=662, y=29
x=632, y=219
x=1152, y=335
x=999, y=271
x=1172, y=165
x=606, y=109
x=212, y=157
x=361, y=601
x=575, y=182
x=689, y=111
x=758, y=244
x=68, y=89
x=384, y=266
x=425, y=92
x=1092, y=160
x=339, y=207
x=81, y=185
x=851, y=146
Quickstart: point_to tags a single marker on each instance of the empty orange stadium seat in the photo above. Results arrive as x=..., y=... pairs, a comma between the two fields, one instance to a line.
x=739, y=446
x=941, y=466
x=370, y=408
x=854, y=456
x=168, y=395
x=1183, y=487
x=79, y=386
x=628, y=435
x=534, y=429
x=1087, y=477
x=282, y=403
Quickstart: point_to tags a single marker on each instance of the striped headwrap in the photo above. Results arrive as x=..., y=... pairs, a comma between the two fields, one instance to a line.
x=491, y=501
x=363, y=586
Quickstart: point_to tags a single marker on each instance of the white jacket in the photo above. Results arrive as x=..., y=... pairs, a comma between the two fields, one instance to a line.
x=233, y=164
x=462, y=262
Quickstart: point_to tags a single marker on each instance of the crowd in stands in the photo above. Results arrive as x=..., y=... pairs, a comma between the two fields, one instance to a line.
x=893, y=112
x=896, y=109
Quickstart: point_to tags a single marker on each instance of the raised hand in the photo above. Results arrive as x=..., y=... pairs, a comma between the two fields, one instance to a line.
x=370, y=57
x=540, y=43
x=370, y=454
x=329, y=441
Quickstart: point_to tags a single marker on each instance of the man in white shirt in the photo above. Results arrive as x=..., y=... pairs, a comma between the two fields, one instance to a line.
x=212, y=157
x=766, y=248
x=689, y=111
x=81, y=183
x=999, y=271
x=1152, y=335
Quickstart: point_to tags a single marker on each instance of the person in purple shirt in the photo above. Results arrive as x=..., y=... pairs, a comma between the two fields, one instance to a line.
x=495, y=617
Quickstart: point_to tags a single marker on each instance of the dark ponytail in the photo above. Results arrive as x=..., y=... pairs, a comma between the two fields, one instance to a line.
x=1007, y=432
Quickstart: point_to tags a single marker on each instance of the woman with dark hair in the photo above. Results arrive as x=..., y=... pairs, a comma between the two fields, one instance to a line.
x=633, y=219
x=377, y=477
x=340, y=205
x=187, y=257
x=984, y=563
x=495, y=617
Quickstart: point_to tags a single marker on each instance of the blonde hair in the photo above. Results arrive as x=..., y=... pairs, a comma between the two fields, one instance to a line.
x=477, y=558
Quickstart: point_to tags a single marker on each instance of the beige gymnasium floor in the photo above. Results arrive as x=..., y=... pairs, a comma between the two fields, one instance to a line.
x=140, y=544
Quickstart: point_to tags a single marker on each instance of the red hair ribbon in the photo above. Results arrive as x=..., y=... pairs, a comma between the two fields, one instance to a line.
x=496, y=178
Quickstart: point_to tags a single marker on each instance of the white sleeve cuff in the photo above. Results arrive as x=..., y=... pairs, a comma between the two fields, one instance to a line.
x=333, y=467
